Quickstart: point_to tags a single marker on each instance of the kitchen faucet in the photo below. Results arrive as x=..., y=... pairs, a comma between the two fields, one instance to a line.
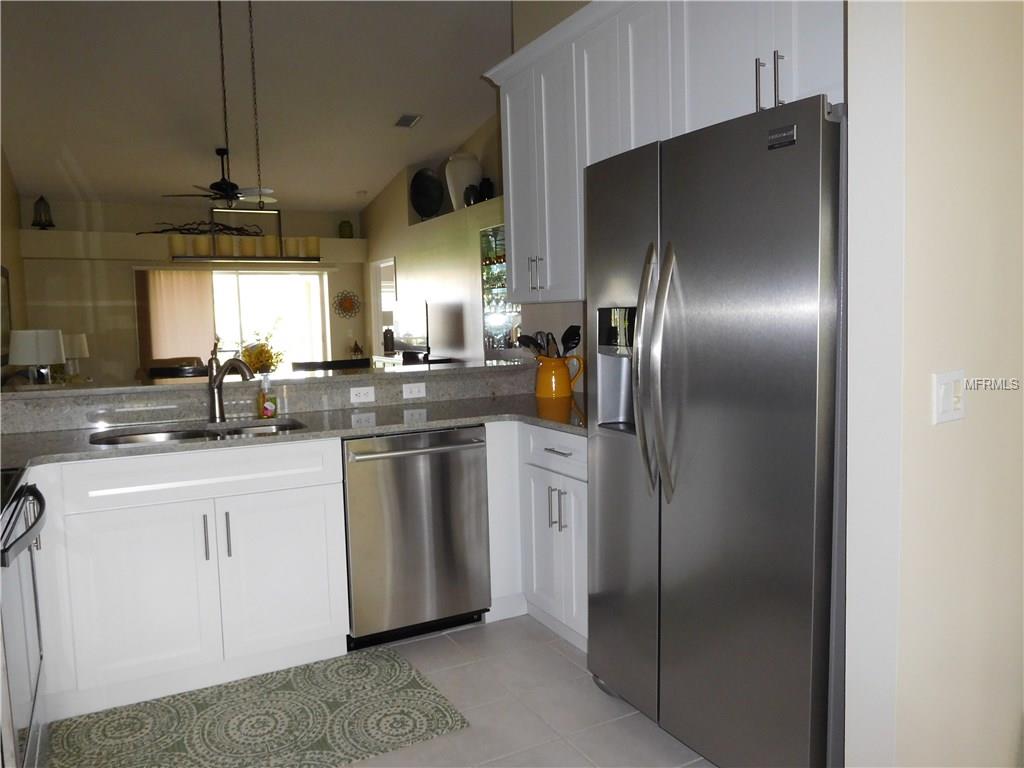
x=216, y=371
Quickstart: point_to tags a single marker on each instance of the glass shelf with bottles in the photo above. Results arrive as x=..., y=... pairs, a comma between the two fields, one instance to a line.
x=502, y=318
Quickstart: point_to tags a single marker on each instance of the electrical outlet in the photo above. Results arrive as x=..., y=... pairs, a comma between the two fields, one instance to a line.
x=415, y=416
x=364, y=420
x=419, y=389
x=362, y=395
x=948, y=396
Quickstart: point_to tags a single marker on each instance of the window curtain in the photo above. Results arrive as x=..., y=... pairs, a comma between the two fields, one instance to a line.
x=180, y=313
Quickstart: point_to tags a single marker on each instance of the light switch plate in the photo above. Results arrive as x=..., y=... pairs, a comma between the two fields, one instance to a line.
x=418, y=389
x=948, y=396
x=413, y=416
x=364, y=420
x=362, y=395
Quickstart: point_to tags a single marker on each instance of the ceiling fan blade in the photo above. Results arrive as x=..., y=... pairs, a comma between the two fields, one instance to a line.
x=192, y=194
x=204, y=189
x=254, y=191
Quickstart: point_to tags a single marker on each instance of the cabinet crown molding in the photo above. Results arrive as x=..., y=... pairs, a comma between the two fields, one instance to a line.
x=563, y=33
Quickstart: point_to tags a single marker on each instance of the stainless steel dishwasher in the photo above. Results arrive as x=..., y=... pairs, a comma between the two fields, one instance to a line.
x=416, y=517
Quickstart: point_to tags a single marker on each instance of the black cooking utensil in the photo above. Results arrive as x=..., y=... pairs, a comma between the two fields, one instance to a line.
x=552, y=345
x=526, y=340
x=570, y=339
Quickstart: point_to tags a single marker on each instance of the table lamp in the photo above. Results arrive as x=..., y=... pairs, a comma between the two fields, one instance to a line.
x=38, y=350
x=76, y=347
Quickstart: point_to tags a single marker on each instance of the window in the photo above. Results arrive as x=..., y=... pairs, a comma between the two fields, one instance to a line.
x=287, y=307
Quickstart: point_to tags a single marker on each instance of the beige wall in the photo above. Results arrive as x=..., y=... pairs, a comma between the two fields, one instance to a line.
x=959, y=692
x=485, y=143
x=10, y=247
x=532, y=18
x=436, y=260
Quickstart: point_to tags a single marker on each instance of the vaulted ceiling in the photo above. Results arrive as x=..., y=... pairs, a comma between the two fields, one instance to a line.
x=120, y=101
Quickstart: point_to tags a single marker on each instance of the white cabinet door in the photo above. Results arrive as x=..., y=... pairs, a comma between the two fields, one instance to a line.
x=644, y=73
x=810, y=37
x=144, y=592
x=598, y=114
x=560, y=258
x=572, y=546
x=714, y=46
x=519, y=155
x=542, y=571
x=282, y=568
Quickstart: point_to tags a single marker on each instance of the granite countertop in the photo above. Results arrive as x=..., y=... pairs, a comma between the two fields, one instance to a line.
x=34, y=448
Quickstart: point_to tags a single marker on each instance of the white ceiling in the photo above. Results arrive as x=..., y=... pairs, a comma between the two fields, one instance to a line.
x=120, y=102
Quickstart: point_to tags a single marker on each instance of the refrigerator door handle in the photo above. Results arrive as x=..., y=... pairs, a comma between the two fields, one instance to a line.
x=636, y=363
x=668, y=267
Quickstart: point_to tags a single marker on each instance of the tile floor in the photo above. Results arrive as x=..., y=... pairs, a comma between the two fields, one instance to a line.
x=530, y=702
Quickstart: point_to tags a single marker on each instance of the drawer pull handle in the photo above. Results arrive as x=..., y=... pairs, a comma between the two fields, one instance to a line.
x=563, y=454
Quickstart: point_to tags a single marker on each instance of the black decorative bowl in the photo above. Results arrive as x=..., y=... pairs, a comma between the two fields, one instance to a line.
x=426, y=193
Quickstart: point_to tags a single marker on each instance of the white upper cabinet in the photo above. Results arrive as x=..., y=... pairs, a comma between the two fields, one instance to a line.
x=519, y=156
x=599, y=121
x=559, y=266
x=716, y=45
x=644, y=74
x=810, y=36
x=615, y=76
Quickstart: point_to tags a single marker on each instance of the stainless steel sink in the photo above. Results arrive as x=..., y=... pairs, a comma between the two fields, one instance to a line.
x=223, y=431
x=258, y=430
x=162, y=436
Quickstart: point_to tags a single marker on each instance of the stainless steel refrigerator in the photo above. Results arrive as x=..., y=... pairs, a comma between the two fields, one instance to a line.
x=711, y=303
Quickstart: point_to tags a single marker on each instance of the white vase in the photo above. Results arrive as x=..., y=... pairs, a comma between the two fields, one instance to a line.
x=462, y=170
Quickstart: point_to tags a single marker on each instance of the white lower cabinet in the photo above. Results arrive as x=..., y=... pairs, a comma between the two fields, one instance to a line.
x=282, y=568
x=144, y=591
x=555, y=545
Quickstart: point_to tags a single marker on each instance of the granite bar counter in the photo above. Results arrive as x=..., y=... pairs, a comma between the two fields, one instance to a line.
x=25, y=449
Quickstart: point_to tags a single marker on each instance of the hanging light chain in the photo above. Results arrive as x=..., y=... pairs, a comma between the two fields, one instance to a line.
x=223, y=88
x=255, y=109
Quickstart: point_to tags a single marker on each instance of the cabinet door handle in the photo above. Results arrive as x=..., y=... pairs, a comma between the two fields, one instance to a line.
x=561, y=493
x=758, y=66
x=778, y=57
x=551, y=515
x=537, y=262
x=206, y=536
x=529, y=263
x=227, y=530
x=563, y=454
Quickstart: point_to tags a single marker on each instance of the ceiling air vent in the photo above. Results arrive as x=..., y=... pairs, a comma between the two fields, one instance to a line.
x=407, y=121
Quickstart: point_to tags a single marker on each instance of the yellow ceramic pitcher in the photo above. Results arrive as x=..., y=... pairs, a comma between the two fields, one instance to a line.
x=553, y=379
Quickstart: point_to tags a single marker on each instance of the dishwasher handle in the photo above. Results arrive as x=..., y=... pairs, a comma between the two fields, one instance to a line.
x=378, y=455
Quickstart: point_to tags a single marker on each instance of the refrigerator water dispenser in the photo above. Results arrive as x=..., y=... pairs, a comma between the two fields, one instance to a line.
x=614, y=354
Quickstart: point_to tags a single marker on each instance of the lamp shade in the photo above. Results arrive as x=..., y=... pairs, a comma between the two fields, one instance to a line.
x=44, y=347
x=387, y=317
x=76, y=346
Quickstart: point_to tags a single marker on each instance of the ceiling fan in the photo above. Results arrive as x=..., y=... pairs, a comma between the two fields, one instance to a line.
x=224, y=189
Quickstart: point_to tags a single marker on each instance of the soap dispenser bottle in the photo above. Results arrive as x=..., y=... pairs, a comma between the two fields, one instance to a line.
x=266, y=401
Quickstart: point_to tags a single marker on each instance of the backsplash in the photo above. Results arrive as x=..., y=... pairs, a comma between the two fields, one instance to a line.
x=50, y=410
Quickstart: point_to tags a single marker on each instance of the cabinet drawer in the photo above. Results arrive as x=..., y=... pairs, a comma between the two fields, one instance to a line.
x=201, y=474
x=554, y=450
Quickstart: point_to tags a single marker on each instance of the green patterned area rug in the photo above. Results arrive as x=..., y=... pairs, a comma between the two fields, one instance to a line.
x=319, y=715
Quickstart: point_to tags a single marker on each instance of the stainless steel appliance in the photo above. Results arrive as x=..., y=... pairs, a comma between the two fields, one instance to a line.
x=711, y=300
x=23, y=732
x=416, y=514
